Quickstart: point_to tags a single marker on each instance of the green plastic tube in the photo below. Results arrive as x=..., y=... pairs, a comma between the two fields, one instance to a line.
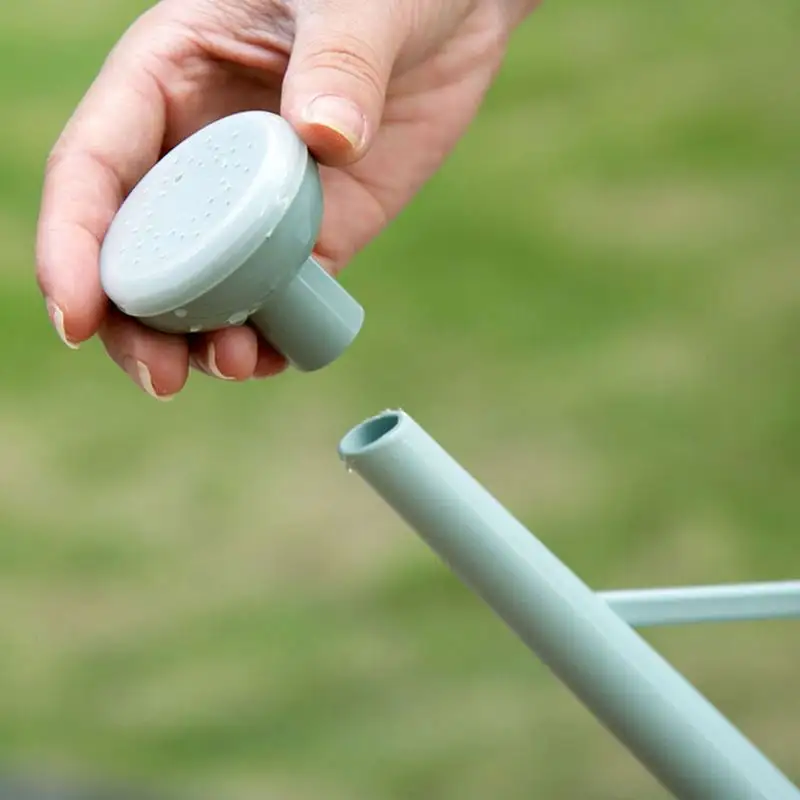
x=688, y=605
x=678, y=735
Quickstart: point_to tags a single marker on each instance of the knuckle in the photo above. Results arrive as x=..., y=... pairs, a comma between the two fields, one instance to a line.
x=58, y=155
x=54, y=158
x=351, y=57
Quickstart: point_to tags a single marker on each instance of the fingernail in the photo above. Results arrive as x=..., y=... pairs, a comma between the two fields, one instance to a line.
x=212, y=364
x=339, y=115
x=57, y=321
x=140, y=374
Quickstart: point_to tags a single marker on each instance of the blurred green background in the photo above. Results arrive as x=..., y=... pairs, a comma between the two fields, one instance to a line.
x=595, y=307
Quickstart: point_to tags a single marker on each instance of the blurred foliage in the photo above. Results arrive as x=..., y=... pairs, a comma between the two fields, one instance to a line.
x=594, y=307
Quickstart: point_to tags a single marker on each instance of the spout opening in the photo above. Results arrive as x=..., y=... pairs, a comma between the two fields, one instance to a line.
x=369, y=434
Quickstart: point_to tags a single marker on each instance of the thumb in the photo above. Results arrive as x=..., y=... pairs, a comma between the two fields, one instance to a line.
x=335, y=85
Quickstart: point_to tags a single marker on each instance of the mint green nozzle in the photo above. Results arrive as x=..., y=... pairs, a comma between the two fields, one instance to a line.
x=221, y=233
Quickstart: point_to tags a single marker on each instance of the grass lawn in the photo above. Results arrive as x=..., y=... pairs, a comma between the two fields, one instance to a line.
x=595, y=307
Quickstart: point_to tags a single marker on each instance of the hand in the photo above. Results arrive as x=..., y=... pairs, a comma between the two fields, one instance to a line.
x=380, y=92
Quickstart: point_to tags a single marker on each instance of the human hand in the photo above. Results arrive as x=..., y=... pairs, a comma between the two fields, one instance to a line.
x=380, y=93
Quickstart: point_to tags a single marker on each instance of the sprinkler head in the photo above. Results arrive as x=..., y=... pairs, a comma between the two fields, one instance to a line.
x=220, y=233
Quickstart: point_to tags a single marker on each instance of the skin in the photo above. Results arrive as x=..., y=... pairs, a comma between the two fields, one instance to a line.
x=400, y=81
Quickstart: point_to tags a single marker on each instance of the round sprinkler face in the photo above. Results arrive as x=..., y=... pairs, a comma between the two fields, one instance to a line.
x=220, y=231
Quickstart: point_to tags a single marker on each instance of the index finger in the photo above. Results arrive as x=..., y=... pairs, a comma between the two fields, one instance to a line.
x=112, y=140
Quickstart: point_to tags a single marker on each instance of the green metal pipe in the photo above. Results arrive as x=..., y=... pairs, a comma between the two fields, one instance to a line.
x=685, y=605
x=679, y=736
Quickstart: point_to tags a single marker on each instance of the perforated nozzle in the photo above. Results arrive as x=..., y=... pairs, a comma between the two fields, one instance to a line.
x=220, y=232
